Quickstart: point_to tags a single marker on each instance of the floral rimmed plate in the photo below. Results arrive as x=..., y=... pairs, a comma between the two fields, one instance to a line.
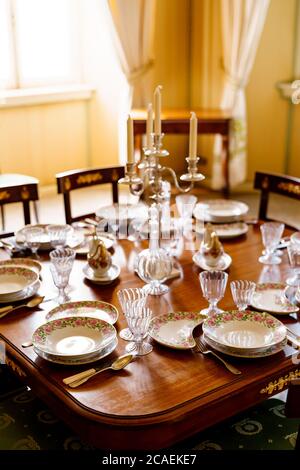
x=73, y=336
x=244, y=329
x=14, y=279
x=76, y=362
x=269, y=351
x=85, y=308
x=23, y=263
x=271, y=298
x=175, y=329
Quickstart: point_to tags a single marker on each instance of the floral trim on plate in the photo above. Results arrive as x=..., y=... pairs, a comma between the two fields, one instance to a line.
x=40, y=335
x=280, y=299
x=81, y=308
x=19, y=271
x=19, y=262
x=184, y=337
x=246, y=315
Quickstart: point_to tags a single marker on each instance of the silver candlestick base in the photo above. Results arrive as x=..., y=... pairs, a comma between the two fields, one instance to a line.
x=192, y=175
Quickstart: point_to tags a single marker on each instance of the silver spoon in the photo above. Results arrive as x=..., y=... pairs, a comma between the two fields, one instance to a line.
x=78, y=379
x=31, y=304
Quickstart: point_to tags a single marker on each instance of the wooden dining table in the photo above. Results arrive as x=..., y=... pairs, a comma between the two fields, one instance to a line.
x=168, y=395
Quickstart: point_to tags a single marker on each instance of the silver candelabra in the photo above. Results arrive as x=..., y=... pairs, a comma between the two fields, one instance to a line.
x=151, y=172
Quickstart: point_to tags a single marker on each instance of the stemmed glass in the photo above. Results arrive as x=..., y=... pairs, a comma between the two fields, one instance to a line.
x=128, y=297
x=185, y=205
x=33, y=238
x=294, y=258
x=213, y=285
x=242, y=292
x=61, y=263
x=58, y=234
x=271, y=234
x=138, y=319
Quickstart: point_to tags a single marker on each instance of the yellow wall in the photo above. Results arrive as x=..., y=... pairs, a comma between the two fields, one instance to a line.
x=171, y=68
x=42, y=140
x=267, y=111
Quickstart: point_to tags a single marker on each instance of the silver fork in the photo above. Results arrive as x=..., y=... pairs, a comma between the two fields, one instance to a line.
x=202, y=348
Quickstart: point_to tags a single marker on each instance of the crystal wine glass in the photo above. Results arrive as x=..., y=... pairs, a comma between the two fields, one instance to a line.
x=61, y=263
x=242, y=292
x=138, y=319
x=294, y=258
x=58, y=234
x=271, y=234
x=33, y=238
x=127, y=297
x=213, y=285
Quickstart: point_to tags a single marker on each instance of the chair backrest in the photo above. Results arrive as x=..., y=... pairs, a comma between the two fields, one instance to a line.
x=275, y=183
x=23, y=193
x=76, y=179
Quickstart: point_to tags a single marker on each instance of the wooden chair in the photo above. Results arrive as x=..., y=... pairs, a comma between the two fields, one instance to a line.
x=275, y=183
x=77, y=179
x=18, y=188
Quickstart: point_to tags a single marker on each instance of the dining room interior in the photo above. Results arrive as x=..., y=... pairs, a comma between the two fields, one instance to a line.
x=150, y=226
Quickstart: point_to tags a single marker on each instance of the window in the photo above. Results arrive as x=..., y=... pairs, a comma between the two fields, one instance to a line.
x=39, y=43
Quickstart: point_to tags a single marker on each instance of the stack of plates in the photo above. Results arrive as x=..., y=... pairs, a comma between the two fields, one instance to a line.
x=220, y=211
x=17, y=283
x=245, y=334
x=73, y=239
x=74, y=340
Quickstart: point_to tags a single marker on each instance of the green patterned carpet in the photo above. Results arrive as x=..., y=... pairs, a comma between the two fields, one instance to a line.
x=27, y=423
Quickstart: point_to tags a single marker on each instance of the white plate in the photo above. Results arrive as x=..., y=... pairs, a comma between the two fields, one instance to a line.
x=223, y=263
x=14, y=279
x=76, y=362
x=23, y=263
x=231, y=230
x=220, y=210
x=244, y=353
x=73, y=239
x=112, y=274
x=244, y=329
x=123, y=212
x=73, y=337
x=175, y=330
x=25, y=294
x=271, y=298
x=85, y=308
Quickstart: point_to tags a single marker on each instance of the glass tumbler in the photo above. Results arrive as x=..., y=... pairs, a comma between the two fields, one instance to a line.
x=33, y=238
x=213, y=285
x=242, y=292
x=61, y=263
x=138, y=319
x=127, y=298
x=271, y=233
x=58, y=234
x=294, y=258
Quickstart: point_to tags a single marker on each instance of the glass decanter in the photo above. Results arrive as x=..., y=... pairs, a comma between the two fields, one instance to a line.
x=154, y=264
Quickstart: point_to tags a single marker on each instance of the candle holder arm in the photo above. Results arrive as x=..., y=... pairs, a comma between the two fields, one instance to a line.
x=186, y=189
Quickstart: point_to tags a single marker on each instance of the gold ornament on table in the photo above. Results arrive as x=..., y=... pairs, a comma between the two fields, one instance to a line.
x=212, y=250
x=99, y=258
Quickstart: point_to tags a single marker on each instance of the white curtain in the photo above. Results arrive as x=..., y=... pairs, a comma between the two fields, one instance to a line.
x=242, y=22
x=134, y=27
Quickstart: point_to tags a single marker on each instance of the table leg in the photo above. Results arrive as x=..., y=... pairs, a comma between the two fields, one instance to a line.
x=225, y=155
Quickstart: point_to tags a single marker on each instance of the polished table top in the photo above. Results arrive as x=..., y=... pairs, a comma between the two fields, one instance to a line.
x=176, y=392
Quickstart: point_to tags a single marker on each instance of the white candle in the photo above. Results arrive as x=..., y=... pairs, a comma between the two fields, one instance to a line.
x=157, y=109
x=149, y=127
x=193, y=136
x=130, y=149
